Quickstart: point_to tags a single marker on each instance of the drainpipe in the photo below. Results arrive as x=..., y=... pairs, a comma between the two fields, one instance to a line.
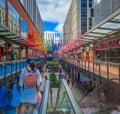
x=6, y=23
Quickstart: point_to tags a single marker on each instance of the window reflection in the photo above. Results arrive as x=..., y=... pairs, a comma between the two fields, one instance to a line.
x=104, y=100
x=2, y=12
x=13, y=18
x=24, y=28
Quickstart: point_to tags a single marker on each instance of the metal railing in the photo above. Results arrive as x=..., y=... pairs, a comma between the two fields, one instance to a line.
x=10, y=69
x=107, y=70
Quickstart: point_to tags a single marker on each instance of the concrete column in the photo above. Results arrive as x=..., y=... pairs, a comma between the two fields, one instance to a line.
x=6, y=49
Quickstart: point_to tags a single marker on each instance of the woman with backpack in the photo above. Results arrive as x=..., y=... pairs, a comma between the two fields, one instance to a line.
x=30, y=82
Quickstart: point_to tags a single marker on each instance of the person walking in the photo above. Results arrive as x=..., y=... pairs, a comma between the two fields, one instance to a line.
x=16, y=96
x=97, y=60
x=30, y=85
x=4, y=58
x=72, y=80
x=4, y=101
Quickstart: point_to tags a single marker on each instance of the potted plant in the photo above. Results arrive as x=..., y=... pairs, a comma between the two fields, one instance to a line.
x=53, y=79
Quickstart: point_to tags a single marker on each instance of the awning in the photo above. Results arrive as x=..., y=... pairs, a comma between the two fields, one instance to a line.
x=109, y=28
x=4, y=32
x=84, y=79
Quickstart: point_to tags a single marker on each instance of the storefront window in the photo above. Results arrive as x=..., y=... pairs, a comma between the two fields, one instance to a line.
x=2, y=12
x=13, y=18
x=24, y=28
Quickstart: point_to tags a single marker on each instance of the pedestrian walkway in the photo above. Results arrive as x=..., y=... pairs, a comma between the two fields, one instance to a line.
x=77, y=92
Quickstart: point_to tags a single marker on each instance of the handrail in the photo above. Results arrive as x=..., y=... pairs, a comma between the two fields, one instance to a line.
x=101, y=70
x=43, y=107
x=12, y=68
x=72, y=99
x=75, y=106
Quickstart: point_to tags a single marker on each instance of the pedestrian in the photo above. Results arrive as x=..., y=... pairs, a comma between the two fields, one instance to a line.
x=30, y=85
x=46, y=78
x=97, y=60
x=4, y=101
x=64, y=76
x=4, y=58
x=72, y=80
x=16, y=96
x=68, y=80
x=86, y=88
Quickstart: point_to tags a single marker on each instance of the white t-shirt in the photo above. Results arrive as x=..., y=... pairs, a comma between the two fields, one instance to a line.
x=4, y=58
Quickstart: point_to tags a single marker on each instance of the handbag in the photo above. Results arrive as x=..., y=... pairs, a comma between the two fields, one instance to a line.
x=39, y=99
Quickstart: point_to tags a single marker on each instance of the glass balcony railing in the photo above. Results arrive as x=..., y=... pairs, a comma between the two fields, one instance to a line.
x=8, y=69
x=103, y=100
x=11, y=68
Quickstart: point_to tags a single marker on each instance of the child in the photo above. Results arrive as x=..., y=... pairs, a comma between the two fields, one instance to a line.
x=4, y=101
x=16, y=96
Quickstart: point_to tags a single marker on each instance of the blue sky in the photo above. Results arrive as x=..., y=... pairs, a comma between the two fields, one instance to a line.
x=53, y=13
x=49, y=26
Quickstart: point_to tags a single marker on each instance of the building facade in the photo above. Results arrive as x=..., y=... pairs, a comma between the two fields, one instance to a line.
x=34, y=13
x=79, y=19
x=19, y=31
x=52, y=40
x=104, y=8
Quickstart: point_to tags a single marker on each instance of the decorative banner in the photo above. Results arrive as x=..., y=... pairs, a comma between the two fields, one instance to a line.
x=35, y=41
x=110, y=44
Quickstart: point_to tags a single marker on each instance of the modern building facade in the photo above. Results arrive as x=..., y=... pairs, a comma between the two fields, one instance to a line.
x=104, y=8
x=18, y=31
x=52, y=40
x=79, y=19
x=34, y=13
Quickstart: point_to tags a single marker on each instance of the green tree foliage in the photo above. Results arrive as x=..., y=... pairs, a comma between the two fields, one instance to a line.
x=53, y=80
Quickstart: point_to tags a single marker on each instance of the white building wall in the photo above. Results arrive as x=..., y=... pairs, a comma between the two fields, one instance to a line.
x=73, y=20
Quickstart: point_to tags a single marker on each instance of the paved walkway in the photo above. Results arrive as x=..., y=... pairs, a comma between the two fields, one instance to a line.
x=77, y=92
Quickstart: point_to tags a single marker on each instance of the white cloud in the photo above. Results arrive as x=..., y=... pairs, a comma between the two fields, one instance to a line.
x=59, y=28
x=49, y=32
x=54, y=10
